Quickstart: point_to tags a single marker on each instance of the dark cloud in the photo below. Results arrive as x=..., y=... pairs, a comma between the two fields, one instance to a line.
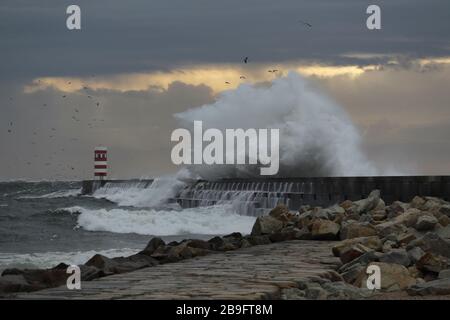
x=126, y=36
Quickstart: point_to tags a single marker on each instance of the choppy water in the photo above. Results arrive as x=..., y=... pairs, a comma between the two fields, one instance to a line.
x=44, y=223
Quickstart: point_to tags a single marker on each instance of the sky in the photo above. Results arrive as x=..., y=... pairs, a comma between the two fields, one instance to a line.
x=120, y=79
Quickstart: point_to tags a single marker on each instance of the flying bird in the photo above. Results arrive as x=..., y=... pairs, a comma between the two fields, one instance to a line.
x=63, y=96
x=306, y=24
x=245, y=59
x=227, y=82
x=242, y=77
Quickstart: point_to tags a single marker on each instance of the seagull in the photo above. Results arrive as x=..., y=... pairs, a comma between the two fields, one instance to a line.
x=306, y=24
x=245, y=59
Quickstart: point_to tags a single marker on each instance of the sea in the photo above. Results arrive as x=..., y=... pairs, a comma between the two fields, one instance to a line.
x=45, y=223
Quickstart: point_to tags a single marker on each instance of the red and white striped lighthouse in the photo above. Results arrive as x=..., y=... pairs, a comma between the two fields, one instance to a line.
x=100, y=162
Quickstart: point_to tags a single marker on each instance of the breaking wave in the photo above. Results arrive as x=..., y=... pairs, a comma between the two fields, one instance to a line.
x=213, y=220
x=317, y=137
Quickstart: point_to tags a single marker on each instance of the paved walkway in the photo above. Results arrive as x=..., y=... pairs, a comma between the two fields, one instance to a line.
x=259, y=272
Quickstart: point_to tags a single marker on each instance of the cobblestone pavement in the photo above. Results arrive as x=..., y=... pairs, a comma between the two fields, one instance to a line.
x=258, y=272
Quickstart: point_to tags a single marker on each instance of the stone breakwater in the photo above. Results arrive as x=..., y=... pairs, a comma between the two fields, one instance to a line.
x=409, y=242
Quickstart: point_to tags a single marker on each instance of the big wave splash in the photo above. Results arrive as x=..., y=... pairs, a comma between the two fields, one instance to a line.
x=317, y=137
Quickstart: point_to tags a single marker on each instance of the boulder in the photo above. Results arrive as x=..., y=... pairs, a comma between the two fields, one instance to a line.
x=16, y=283
x=288, y=233
x=258, y=240
x=353, y=252
x=199, y=244
x=425, y=223
x=344, y=291
x=415, y=254
x=444, y=232
x=373, y=243
x=397, y=256
x=266, y=225
x=281, y=212
x=433, y=243
x=432, y=263
x=324, y=230
x=393, y=277
x=445, y=209
x=154, y=244
x=120, y=264
x=417, y=202
x=356, y=230
x=444, y=274
x=444, y=221
x=399, y=223
x=434, y=287
x=367, y=204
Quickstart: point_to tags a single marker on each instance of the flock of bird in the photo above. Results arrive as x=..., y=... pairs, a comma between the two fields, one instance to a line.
x=48, y=159
x=273, y=71
x=76, y=119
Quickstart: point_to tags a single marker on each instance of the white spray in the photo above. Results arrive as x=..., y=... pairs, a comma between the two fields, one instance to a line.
x=317, y=138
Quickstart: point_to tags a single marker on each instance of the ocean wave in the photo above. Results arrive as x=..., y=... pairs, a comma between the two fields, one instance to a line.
x=56, y=194
x=213, y=220
x=51, y=259
x=138, y=195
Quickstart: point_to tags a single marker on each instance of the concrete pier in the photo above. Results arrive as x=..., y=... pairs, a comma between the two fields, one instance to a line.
x=259, y=272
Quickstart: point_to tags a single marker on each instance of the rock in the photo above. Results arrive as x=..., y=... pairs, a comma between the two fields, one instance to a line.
x=234, y=239
x=399, y=224
x=417, y=202
x=415, y=254
x=444, y=221
x=89, y=273
x=433, y=243
x=199, y=244
x=397, y=256
x=154, y=244
x=216, y=243
x=432, y=263
x=362, y=260
x=393, y=277
x=16, y=283
x=245, y=244
x=414, y=272
x=266, y=225
x=435, y=287
x=343, y=291
x=425, y=223
x=352, y=273
x=444, y=232
x=281, y=212
x=120, y=264
x=304, y=208
x=373, y=243
x=284, y=235
x=388, y=245
x=353, y=252
x=379, y=215
x=356, y=230
x=445, y=210
x=324, y=230
x=405, y=238
x=444, y=274
x=258, y=240
x=365, y=205
x=16, y=280
x=316, y=293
